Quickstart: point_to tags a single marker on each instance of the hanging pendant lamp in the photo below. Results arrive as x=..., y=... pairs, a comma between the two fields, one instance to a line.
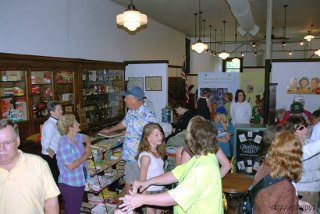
x=235, y=60
x=199, y=46
x=309, y=37
x=224, y=55
x=132, y=18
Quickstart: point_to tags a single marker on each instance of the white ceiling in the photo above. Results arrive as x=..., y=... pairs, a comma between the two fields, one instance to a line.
x=178, y=14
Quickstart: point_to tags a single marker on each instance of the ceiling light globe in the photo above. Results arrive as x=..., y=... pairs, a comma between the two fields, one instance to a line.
x=309, y=37
x=131, y=19
x=317, y=52
x=236, y=60
x=132, y=26
x=199, y=47
x=224, y=55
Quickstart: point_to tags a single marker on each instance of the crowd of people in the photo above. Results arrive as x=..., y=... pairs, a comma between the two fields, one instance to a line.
x=292, y=154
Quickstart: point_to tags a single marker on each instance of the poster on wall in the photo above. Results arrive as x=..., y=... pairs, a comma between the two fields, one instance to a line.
x=304, y=85
x=295, y=79
x=219, y=83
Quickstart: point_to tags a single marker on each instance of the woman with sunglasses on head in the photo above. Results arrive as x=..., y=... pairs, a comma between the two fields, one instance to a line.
x=309, y=185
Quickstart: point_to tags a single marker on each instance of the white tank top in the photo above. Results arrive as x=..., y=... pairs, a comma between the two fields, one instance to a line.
x=155, y=169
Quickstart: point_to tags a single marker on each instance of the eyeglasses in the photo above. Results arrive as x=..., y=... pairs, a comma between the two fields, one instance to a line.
x=301, y=127
x=8, y=142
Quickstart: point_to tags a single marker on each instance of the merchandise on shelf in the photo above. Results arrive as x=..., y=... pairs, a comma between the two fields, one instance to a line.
x=6, y=105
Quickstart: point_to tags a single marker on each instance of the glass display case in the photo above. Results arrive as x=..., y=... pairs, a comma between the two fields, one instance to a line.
x=64, y=92
x=41, y=92
x=13, y=95
x=102, y=98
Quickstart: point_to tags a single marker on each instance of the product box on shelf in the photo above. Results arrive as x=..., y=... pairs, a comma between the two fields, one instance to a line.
x=6, y=105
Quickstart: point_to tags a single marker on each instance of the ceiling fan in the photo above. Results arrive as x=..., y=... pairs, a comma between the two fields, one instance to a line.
x=283, y=38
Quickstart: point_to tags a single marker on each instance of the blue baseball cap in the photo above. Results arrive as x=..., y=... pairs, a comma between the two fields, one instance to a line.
x=134, y=91
x=221, y=110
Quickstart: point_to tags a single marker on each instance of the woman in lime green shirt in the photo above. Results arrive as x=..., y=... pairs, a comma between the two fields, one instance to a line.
x=199, y=183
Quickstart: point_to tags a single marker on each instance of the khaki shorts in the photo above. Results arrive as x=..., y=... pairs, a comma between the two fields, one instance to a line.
x=131, y=171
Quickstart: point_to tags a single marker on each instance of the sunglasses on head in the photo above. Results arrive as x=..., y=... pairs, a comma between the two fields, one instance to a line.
x=301, y=127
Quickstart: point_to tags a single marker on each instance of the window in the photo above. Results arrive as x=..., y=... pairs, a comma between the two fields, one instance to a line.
x=230, y=66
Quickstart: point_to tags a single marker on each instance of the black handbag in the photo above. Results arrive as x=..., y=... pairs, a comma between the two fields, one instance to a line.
x=246, y=206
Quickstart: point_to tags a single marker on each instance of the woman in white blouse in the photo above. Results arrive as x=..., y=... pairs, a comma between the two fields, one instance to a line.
x=240, y=110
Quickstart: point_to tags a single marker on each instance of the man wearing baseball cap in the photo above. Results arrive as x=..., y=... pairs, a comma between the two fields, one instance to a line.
x=296, y=109
x=138, y=115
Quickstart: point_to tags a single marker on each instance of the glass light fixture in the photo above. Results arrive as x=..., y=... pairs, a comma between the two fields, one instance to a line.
x=224, y=55
x=290, y=53
x=284, y=44
x=301, y=43
x=131, y=18
x=317, y=52
x=199, y=47
x=236, y=60
x=309, y=37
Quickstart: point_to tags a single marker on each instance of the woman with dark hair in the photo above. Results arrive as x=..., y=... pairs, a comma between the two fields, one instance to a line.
x=203, y=105
x=240, y=110
x=309, y=184
x=283, y=160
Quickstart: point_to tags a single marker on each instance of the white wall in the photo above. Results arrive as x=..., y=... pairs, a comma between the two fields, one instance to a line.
x=158, y=98
x=83, y=29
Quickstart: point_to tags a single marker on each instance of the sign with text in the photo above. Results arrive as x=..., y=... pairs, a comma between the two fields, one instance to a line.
x=248, y=148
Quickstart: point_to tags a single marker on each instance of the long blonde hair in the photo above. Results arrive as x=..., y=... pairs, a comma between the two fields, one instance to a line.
x=284, y=156
x=222, y=118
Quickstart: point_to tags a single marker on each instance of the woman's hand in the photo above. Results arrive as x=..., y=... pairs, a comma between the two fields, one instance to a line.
x=130, y=202
x=139, y=185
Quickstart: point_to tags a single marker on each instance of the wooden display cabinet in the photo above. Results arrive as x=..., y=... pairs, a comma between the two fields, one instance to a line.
x=28, y=83
x=102, y=101
x=64, y=89
x=13, y=98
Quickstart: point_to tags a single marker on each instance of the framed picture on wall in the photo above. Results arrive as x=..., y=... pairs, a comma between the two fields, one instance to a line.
x=68, y=109
x=153, y=83
x=135, y=81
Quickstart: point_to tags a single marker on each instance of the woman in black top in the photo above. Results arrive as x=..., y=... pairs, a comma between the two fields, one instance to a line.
x=204, y=104
x=185, y=116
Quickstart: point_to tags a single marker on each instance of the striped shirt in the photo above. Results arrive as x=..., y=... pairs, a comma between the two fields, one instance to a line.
x=67, y=153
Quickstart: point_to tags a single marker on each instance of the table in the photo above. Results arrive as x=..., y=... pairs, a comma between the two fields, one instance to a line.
x=236, y=183
x=235, y=186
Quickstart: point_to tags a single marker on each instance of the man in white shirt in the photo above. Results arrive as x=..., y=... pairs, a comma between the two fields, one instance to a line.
x=50, y=137
x=315, y=134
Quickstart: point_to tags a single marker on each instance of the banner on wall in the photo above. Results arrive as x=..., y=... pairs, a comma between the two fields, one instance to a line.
x=219, y=83
x=304, y=85
x=296, y=79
